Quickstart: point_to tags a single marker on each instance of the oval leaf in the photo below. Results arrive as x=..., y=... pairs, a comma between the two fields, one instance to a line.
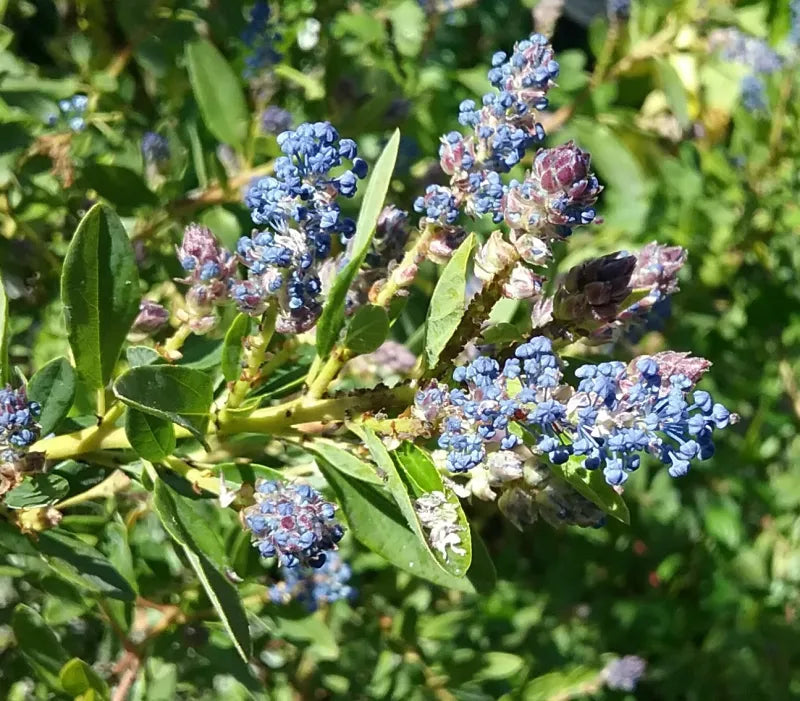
x=100, y=293
x=448, y=302
x=37, y=490
x=344, y=461
x=77, y=678
x=592, y=485
x=53, y=386
x=152, y=437
x=218, y=92
x=233, y=349
x=38, y=644
x=178, y=394
x=332, y=319
x=220, y=591
x=367, y=330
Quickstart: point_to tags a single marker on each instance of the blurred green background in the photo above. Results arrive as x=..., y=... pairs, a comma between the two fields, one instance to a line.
x=705, y=583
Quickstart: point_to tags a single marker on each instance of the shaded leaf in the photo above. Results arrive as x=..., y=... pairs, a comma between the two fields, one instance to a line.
x=232, y=348
x=592, y=485
x=38, y=644
x=100, y=293
x=53, y=386
x=367, y=330
x=77, y=678
x=37, y=490
x=344, y=461
x=152, y=437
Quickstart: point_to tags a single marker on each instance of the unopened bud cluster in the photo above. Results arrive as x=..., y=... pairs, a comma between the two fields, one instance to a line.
x=19, y=429
x=315, y=587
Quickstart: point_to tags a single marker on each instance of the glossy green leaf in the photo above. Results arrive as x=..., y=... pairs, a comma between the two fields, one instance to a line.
x=344, y=461
x=376, y=522
x=84, y=566
x=80, y=681
x=455, y=565
x=183, y=527
x=592, y=485
x=178, y=394
x=100, y=293
x=142, y=355
x=39, y=645
x=152, y=437
x=422, y=477
x=332, y=319
x=367, y=330
x=448, y=302
x=5, y=370
x=37, y=490
x=218, y=92
x=232, y=348
x=53, y=386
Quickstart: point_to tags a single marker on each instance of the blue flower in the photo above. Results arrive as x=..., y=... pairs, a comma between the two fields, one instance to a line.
x=314, y=587
x=293, y=523
x=18, y=422
x=260, y=37
x=155, y=148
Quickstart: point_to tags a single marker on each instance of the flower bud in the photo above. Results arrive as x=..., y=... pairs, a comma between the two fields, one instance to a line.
x=495, y=255
x=444, y=242
x=151, y=317
x=203, y=258
x=523, y=283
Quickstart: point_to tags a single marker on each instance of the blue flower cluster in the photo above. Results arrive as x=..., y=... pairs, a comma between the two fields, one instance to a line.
x=616, y=413
x=504, y=128
x=299, y=208
x=260, y=37
x=624, y=673
x=315, y=588
x=18, y=427
x=72, y=110
x=155, y=148
x=293, y=523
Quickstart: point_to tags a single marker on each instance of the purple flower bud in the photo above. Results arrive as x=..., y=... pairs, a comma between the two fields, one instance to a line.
x=151, y=317
x=493, y=256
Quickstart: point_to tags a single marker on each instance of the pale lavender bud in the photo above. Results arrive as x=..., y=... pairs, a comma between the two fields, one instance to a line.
x=495, y=255
x=444, y=242
x=531, y=248
x=203, y=258
x=657, y=267
x=674, y=363
x=151, y=317
x=523, y=283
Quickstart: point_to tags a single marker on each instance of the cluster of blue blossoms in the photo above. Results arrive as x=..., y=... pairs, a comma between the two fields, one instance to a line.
x=293, y=523
x=314, y=587
x=18, y=423
x=72, y=110
x=155, y=148
x=260, y=37
x=616, y=413
x=299, y=209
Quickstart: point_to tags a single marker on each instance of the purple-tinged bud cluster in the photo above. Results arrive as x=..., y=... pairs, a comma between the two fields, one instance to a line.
x=392, y=359
x=390, y=239
x=293, y=523
x=315, y=588
x=210, y=269
x=18, y=423
x=260, y=37
x=155, y=148
x=72, y=110
x=615, y=414
x=624, y=673
x=300, y=210
x=557, y=195
x=152, y=316
x=275, y=120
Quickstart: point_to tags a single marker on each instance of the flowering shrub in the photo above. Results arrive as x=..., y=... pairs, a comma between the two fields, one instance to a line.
x=356, y=373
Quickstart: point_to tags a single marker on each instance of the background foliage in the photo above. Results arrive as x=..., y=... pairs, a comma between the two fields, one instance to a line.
x=704, y=582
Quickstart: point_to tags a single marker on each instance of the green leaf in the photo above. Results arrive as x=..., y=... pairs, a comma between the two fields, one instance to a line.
x=448, y=302
x=120, y=186
x=454, y=565
x=82, y=565
x=218, y=92
x=152, y=437
x=564, y=684
x=222, y=594
x=422, y=476
x=592, y=485
x=377, y=523
x=37, y=490
x=344, y=461
x=178, y=394
x=232, y=348
x=100, y=293
x=673, y=88
x=38, y=644
x=332, y=319
x=367, y=330
x=5, y=369
x=499, y=665
x=142, y=355
x=53, y=386
x=79, y=680
x=408, y=27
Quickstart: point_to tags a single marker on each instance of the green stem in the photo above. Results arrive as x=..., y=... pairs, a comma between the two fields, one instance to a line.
x=175, y=342
x=255, y=355
x=339, y=356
